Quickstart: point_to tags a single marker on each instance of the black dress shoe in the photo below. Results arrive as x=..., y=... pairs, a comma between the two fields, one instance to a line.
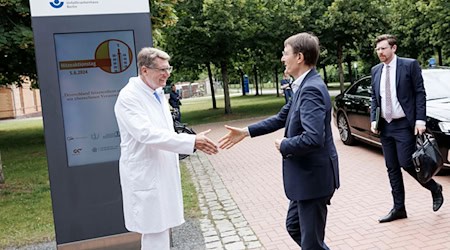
x=438, y=199
x=394, y=214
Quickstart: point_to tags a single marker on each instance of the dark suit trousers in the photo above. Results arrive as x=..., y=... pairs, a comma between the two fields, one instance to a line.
x=398, y=142
x=305, y=222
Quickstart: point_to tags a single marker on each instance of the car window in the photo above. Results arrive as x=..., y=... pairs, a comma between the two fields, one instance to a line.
x=361, y=88
x=437, y=83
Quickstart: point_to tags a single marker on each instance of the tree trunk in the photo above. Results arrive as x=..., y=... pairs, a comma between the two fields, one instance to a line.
x=255, y=74
x=325, y=78
x=226, y=92
x=439, y=50
x=276, y=81
x=350, y=72
x=340, y=69
x=242, y=81
x=2, y=176
x=213, y=94
x=261, y=84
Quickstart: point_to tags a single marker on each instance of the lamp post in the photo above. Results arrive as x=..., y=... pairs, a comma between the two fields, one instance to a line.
x=355, y=65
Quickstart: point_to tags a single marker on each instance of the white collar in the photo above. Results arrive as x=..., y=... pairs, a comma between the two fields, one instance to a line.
x=393, y=62
x=298, y=81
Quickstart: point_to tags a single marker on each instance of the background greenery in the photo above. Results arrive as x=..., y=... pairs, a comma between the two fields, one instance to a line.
x=25, y=204
x=225, y=39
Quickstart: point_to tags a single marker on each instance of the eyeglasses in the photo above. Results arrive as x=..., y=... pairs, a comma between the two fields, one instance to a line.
x=382, y=48
x=163, y=70
x=284, y=53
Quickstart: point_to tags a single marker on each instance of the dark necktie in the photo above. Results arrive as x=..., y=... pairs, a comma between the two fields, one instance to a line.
x=388, y=111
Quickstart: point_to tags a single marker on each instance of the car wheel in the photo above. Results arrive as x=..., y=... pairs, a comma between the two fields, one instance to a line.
x=344, y=130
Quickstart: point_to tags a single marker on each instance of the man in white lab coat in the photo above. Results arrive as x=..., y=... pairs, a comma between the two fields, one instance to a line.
x=149, y=170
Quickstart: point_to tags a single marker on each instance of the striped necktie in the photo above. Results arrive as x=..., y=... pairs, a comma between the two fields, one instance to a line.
x=388, y=111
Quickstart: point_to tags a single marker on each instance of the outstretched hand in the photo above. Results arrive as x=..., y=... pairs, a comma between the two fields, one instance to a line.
x=204, y=144
x=234, y=136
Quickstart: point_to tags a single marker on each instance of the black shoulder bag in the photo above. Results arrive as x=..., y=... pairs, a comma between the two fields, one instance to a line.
x=427, y=158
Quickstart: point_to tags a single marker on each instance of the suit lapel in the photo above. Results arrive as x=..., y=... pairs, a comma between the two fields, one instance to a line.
x=377, y=79
x=398, y=72
x=295, y=99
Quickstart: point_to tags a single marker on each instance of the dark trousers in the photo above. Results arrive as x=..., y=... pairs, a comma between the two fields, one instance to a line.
x=398, y=142
x=305, y=222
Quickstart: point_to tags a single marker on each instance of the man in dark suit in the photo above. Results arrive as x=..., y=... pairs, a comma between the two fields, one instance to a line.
x=174, y=101
x=398, y=91
x=310, y=161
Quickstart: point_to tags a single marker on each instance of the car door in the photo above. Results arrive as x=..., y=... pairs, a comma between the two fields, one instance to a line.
x=362, y=97
x=357, y=103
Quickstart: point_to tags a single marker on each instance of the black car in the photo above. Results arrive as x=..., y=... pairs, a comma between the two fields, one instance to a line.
x=352, y=111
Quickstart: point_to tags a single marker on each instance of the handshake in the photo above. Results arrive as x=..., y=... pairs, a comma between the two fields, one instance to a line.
x=234, y=136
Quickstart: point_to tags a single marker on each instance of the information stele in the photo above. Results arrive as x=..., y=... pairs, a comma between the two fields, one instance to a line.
x=85, y=54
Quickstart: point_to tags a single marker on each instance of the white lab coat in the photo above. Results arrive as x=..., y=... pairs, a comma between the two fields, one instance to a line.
x=148, y=166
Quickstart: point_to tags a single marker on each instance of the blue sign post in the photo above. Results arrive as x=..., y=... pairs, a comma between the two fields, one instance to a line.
x=246, y=89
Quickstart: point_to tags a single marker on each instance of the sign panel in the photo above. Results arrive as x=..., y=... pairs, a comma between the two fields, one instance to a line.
x=246, y=87
x=86, y=7
x=92, y=68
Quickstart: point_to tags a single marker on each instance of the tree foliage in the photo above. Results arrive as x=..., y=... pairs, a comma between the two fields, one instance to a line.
x=16, y=42
x=16, y=37
x=348, y=23
x=239, y=36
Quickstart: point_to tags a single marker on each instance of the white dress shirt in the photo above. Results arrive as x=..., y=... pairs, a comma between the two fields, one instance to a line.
x=397, y=111
x=296, y=84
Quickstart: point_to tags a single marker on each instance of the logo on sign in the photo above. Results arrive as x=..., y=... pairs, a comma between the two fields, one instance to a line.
x=56, y=4
x=77, y=151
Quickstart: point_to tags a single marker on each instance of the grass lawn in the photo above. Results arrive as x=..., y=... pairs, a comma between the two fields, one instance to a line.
x=200, y=111
x=26, y=211
x=25, y=204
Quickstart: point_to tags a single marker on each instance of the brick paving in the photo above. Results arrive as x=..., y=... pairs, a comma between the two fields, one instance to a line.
x=222, y=223
x=251, y=173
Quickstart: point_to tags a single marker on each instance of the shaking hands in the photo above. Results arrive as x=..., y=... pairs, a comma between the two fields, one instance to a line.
x=204, y=144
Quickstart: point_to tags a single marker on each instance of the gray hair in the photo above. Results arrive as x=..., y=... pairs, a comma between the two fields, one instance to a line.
x=147, y=55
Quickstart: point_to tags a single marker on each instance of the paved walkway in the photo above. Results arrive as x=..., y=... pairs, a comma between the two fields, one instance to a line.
x=247, y=181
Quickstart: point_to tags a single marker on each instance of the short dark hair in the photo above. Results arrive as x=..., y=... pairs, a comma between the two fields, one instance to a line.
x=392, y=40
x=307, y=44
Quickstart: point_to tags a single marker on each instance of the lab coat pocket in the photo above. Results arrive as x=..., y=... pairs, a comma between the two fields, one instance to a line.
x=143, y=175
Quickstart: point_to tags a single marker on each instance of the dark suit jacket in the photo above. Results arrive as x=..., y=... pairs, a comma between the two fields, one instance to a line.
x=174, y=100
x=310, y=161
x=410, y=90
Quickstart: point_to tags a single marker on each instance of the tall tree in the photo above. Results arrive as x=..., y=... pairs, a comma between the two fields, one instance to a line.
x=348, y=23
x=407, y=24
x=437, y=25
x=188, y=42
x=227, y=23
x=16, y=43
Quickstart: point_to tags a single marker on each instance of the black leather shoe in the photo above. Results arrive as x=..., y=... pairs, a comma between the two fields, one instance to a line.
x=438, y=199
x=394, y=214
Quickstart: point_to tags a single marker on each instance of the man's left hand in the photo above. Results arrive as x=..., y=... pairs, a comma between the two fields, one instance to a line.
x=278, y=143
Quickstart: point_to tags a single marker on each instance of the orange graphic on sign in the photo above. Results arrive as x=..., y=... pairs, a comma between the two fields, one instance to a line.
x=112, y=56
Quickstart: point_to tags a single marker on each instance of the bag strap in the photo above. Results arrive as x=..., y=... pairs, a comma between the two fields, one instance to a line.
x=424, y=137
